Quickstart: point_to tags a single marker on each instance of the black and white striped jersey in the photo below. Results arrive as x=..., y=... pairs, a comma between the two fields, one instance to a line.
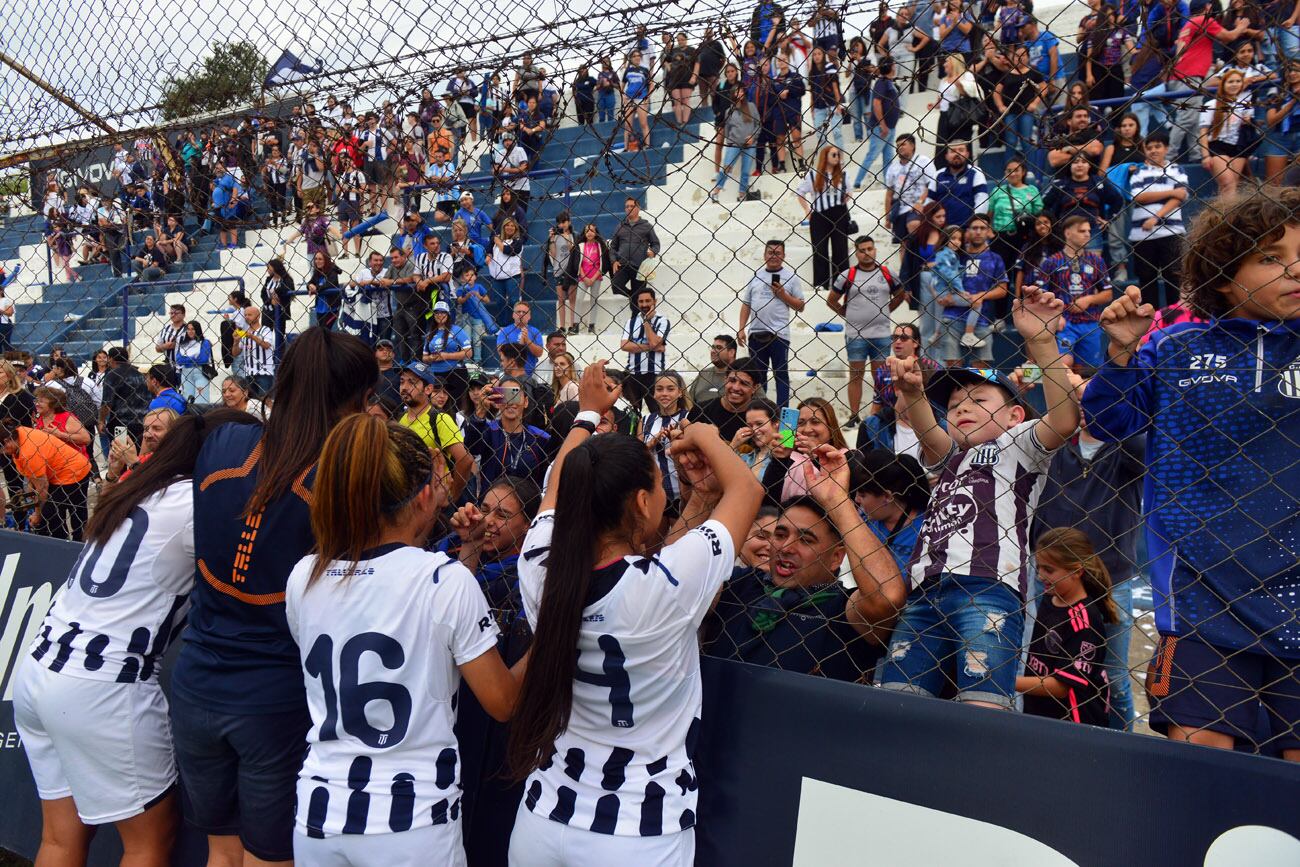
x=624, y=764
x=126, y=598
x=381, y=642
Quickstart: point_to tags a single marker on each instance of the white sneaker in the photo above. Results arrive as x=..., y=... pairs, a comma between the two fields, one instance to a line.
x=971, y=341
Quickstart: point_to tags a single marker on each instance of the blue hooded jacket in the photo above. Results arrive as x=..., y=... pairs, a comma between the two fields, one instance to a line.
x=1220, y=404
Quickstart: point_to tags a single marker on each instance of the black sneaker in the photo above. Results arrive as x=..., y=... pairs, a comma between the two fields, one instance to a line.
x=854, y=421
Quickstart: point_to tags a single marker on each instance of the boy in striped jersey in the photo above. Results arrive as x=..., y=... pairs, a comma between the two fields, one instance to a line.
x=964, y=617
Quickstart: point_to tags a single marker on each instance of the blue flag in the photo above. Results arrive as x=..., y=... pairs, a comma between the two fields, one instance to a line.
x=289, y=69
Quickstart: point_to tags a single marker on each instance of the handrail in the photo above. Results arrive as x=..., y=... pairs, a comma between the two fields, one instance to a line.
x=488, y=180
x=1154, y=97
x=126, y=294
x=60, y=333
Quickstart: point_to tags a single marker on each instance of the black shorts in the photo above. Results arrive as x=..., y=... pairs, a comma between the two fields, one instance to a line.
x=377, y=172
x=1197, y=686
x=239, y=773
x=1244, y=147
x=448, y=208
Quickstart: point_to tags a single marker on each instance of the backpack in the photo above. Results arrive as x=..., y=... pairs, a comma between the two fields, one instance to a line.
x=81, y=404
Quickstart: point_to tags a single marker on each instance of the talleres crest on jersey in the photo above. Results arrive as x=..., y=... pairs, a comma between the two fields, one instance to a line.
x=1288, y=383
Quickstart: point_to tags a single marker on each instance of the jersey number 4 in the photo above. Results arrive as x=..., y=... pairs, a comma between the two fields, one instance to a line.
x=351, y=697
x=613, y=674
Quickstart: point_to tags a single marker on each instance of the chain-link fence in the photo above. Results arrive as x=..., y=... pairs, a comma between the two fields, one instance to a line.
x=1017, y=261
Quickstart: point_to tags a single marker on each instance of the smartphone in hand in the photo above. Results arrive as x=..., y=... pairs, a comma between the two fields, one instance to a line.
x=789, y=424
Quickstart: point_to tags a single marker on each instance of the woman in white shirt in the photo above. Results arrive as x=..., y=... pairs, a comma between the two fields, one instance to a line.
x=958, y=84
x=1228, y=134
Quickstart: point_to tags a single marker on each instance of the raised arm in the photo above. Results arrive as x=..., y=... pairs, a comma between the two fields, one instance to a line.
x=596, y=393
x=710, y=465
x=881, y=591
x=909, y=384
x=1037, y=316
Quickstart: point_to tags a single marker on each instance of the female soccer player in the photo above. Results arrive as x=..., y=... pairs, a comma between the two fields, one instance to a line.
x=92, y=716
x=385, y=630
x=607, y=747
x=238, y=711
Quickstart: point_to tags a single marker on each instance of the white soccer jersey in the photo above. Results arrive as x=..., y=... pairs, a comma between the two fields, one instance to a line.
x=126, y=598
x=624, y=765
x=978, y=522
x=381, y=643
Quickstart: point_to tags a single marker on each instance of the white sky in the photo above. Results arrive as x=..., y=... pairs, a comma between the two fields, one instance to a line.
x=116, y=57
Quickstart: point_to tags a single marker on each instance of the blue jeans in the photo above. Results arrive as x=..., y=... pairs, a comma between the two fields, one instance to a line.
x=503, y=297
x=261, y=383
x=959, y=628
x=1117, y=641
x=605, y=105
x=1153, y=115
x=194, y=384
x=1019, y=131
x=1288, y=42
x=929, y=313
x=867, y=348
x=729, y=157
x=860, y=109
x=879, y=146
x=772, y=350
x=475, y=329
x=828, y=122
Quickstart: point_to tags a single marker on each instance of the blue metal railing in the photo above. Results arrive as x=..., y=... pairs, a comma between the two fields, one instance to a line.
x=488, y=180
x=190, y=282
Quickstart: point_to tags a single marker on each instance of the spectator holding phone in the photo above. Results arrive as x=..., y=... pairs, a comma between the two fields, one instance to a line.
x=506, y=445
x=773, y=292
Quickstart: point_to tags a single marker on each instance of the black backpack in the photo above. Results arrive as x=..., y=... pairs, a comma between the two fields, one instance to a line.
x=81, y=404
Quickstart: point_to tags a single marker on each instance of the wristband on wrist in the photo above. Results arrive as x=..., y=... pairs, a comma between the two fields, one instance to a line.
x=586, y=420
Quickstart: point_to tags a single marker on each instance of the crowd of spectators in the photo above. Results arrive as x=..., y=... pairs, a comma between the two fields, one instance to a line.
x=969, y=533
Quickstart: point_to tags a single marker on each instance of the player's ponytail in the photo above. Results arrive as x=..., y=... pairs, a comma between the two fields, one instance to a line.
x=172, y=460
x=1072, y=549
x=369, y=471
x=597, y=484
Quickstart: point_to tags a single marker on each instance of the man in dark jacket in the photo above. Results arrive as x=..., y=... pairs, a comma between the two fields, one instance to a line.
x=634, y=241
x=126, y=396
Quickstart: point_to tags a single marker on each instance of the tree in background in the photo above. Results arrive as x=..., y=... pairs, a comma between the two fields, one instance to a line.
x=233, y=74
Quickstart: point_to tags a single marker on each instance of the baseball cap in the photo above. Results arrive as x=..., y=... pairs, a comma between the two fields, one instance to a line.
x=422, y=370
x=385, y=343
x=442, y=307
x=943, y=382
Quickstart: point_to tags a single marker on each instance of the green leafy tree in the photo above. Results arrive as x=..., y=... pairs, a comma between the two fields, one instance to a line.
x=233, y=74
